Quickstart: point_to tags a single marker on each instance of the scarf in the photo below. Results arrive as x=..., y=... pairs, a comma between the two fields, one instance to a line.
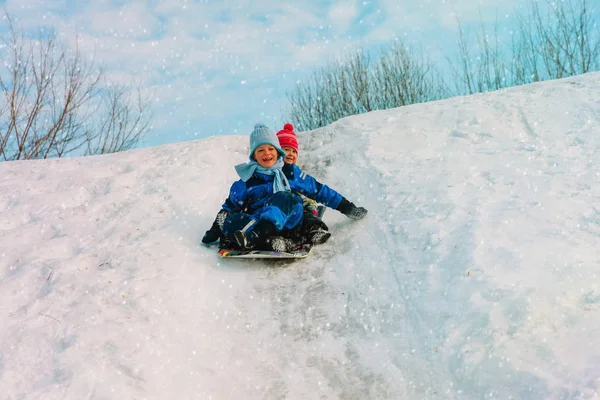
x=280, y=183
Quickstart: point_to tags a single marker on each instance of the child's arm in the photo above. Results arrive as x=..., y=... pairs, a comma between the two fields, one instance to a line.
x=312, y=188
x=237, y=197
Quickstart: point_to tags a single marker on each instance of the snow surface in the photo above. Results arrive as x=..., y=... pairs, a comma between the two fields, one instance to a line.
x=475, y=274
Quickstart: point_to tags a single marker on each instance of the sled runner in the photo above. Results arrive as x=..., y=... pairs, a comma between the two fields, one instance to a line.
x=300, y=253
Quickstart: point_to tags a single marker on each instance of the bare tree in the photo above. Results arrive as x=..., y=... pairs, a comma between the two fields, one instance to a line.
x=485, y=71
x=53, y=102
x=358, y=77
x=463, y=72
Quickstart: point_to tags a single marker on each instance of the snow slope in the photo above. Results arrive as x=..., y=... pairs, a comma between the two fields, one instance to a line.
x=474, y=276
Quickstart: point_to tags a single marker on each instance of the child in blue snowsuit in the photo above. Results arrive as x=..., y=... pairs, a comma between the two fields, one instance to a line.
x=262, y=208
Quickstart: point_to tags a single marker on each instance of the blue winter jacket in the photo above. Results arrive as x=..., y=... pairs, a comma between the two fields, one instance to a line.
x=250, y=196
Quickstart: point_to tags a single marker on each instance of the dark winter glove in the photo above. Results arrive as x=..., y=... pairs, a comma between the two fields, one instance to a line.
x=214, y=233
x=350, y=210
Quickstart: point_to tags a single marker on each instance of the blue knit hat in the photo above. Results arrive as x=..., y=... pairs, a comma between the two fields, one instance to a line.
x=263, y=135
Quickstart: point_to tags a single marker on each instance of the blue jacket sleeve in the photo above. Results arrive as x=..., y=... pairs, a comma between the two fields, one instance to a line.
x=237, y=197
x=310, y=187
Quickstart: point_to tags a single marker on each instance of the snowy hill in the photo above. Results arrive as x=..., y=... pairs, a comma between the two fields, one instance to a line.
x=474, y=276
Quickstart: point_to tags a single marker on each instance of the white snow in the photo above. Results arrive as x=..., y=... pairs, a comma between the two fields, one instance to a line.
x=475, y=274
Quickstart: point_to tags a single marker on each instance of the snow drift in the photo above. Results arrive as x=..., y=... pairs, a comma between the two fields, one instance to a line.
x=475, y=274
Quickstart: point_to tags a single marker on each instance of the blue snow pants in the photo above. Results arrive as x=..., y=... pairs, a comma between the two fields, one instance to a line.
x=284, y=209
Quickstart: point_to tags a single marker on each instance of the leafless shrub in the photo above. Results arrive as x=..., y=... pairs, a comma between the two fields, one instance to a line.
x=358, y=84
x=558, y=41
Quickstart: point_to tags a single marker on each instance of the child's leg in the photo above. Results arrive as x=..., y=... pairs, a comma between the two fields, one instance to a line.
x=237, y=222
x=282, y=212
x=312, y=230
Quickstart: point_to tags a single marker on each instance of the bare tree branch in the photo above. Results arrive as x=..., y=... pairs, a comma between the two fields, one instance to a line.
x=55, y=103
x=551, y=42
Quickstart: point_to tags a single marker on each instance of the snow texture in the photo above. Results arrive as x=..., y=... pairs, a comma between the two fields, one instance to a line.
x=475, y=274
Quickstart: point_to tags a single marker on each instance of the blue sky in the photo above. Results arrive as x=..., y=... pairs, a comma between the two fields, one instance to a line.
x=217, y=67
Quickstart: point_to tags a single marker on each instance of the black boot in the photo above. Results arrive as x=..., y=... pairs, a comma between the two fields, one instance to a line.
x=281, y=244
x=256, y=236
x=314, y=230
x=319, y=236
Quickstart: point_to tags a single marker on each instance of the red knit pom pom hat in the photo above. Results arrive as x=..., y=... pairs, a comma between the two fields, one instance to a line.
x=287, y=137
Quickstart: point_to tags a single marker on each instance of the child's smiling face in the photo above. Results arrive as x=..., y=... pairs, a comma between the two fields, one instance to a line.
x=291, y=155
x=265, y=155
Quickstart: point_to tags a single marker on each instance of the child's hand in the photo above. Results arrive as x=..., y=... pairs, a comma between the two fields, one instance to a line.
x=211, y=236
x=214, y=233
x=356, y=213
x=350, y=210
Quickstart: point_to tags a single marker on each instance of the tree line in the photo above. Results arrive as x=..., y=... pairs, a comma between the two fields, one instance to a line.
x=552, y=42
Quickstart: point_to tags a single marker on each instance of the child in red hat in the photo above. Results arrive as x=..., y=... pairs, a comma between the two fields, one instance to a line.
x=287, y=139
x=289, y=144
x=314, y=227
